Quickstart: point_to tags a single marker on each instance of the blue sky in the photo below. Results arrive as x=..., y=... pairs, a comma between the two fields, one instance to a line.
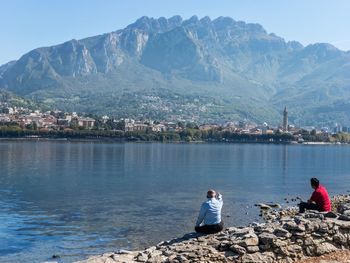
x=28, y=24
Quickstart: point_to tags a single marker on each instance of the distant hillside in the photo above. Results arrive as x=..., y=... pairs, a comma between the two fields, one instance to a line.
x=199, y=69
x=11, y=100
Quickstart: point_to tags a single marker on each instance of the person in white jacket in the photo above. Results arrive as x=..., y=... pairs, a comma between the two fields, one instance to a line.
x=209, y=218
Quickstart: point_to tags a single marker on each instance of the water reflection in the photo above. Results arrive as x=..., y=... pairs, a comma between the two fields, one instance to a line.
x=284, y=161
x=72, y=198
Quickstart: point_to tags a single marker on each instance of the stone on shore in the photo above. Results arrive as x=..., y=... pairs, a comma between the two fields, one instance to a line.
x=285, y=237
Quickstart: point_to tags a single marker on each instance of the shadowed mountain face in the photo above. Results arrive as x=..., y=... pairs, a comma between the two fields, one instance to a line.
x=196, y=69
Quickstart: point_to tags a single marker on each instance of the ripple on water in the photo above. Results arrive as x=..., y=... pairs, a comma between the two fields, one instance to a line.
x=78, y=199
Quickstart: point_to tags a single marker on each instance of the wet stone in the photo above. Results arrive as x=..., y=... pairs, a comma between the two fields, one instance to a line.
x=288, y=238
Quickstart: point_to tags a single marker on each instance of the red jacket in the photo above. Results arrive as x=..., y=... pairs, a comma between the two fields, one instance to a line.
x=321, y=198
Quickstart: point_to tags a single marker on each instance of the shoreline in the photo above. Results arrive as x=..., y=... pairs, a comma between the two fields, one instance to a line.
x=286, y=236
x=125, y=140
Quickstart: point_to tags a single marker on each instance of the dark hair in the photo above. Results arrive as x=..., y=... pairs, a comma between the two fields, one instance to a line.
x=315, y=182
x=211, y=193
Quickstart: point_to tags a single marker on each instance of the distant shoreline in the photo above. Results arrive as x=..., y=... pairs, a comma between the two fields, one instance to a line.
x=187, y=135
x=125, y=140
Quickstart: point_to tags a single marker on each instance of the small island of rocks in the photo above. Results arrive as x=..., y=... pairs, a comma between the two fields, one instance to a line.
x=286, y=236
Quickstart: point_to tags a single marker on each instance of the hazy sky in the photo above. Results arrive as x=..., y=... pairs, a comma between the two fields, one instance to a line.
x=28, y=24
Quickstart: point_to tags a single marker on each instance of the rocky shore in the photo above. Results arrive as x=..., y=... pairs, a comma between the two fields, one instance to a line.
x=285, y=237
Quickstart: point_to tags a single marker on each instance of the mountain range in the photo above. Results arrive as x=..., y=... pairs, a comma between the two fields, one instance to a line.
x=200, y=70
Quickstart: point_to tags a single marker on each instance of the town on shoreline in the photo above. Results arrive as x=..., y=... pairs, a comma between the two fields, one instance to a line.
x=26, y=123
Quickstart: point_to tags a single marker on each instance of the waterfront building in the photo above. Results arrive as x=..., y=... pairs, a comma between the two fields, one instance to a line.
x=337, y=128
x=4, y=118
x=86, y=122
x=159, y=128
x=105, y=119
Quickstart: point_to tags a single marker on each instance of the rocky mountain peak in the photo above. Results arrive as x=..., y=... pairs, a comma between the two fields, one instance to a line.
x=191, y=20
x=295, y=45
x=223, y=22
x=322, y=51
x=152, y=25
x=205, y=20
x=237, y=63
x=323, y=47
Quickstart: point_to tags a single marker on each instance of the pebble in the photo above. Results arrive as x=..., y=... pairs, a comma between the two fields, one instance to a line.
x=285, y=236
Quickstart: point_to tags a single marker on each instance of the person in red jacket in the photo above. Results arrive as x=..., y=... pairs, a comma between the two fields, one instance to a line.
x=319, y=199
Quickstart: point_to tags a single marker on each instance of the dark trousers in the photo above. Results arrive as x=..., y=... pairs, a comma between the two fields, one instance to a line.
x=304, y=205
x=210, y=229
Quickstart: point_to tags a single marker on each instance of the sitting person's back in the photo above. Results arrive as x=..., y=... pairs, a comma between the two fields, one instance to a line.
x=319, y=199
x=210, y=214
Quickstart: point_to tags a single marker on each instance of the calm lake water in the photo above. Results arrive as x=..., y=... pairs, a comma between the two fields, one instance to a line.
x=75, y=199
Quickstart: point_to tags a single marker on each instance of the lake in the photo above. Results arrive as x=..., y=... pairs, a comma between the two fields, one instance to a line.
x=75, y=199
